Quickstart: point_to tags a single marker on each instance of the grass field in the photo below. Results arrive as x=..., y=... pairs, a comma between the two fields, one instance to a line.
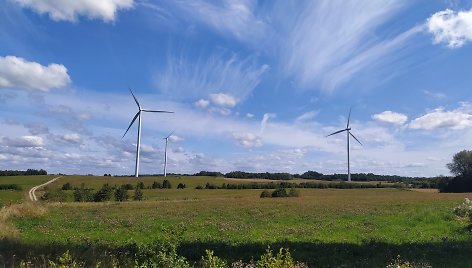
x=25, y=182
x=322, y=227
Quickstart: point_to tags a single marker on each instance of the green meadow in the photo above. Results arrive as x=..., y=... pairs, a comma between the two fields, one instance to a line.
x=321, y=227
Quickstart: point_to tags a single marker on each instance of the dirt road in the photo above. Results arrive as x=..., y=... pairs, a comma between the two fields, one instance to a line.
x=32, y=194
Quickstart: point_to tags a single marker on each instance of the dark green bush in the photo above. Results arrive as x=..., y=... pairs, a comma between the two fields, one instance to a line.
x=83, y=194
x=181, y=186
x=265, y=194
x=280, y=193
x=67, y=186
x=138, y=195
x=15, y=187
x=55, y=195
x=121, y=194
x=104, y=194
x=156, y=185
x=140, y=185
x=166, y=184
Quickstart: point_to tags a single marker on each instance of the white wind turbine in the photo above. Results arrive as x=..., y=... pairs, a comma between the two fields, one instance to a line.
x=348, y=132
x=165, y=153
x=138, y=114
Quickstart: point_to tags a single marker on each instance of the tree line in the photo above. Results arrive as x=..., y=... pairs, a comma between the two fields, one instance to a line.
x=28, y=172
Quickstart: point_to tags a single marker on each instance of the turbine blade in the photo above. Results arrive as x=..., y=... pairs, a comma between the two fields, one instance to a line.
x=134, y=119
x=139, y=106
x=336, y=132
x=356, y=138
x=154, y=111
x=170, y=134
x=349, y=118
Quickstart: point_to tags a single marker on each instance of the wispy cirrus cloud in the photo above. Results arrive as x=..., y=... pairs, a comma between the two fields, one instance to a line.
x=70, y=10
x=331, y=41
x=19, y=73
x=218, y=74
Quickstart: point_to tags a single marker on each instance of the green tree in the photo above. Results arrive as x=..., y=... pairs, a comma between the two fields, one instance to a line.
x=461, y=165
x=138, y=194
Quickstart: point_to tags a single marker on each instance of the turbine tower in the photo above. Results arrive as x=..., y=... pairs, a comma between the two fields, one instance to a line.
x=165, y=153
x=138, y=115
x=348, y=133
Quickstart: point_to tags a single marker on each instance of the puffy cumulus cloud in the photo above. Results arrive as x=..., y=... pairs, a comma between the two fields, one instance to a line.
x=17, y=72
x=60, y=10
x=202, y=103
x=450, y=27
x=223, y=100
x=23, y=141
x=175, y=138
x=390, y=117
x=248, y=140
x=439, y=118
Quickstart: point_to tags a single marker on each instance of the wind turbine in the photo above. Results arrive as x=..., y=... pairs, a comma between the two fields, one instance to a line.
x=165, y=153
x=348, y=132
x=138, y=114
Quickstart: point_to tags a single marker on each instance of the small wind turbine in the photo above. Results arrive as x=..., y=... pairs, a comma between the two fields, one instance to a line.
x=138, y=114
x=165, y=153
x=348, y=132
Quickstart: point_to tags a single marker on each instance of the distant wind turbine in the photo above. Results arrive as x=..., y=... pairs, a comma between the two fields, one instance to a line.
x=165, y=154
x=348, y=132
x=138, y=114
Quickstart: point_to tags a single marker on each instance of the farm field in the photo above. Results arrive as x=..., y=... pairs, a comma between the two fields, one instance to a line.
x=322, y=227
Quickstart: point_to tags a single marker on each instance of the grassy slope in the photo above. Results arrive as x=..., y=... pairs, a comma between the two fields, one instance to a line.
x=323, y=227
x=26, y=183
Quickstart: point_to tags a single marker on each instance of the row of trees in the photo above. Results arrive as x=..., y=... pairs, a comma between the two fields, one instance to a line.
x=28, y=172
x=312, y=185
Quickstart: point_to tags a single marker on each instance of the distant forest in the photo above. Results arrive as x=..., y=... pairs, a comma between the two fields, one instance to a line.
x=419, y=182
x=28, y=172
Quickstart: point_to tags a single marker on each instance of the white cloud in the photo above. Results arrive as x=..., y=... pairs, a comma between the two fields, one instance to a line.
x=450, y=27
x=307, y=116
x=191, y=79
x=202, y=103
x=72, y=138
x=390, y=117
x=435, y=95
x=235, y=18
x=175, y=138
x=264, y=121
x=328, y=50
x=17, y=72
x=249, y=115
x=223, y=100
x=460, y=118
x=70, y=10
x=248, y=140
x=23, y=141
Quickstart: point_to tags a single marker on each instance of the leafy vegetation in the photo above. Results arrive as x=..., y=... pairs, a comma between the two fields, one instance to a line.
x=14, y=187
x=461, y=167
x=28, y=172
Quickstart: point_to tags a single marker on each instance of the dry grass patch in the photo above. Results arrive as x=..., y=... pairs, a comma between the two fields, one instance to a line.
x=28, y=209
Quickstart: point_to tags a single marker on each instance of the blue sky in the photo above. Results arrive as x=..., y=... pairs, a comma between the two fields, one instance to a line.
x=255, y=85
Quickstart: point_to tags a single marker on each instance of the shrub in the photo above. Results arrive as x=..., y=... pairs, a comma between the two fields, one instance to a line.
x=65, y=261
x=399, y=263
x=265, y=194
x=166, y=184
x=104, y=194
x=128, y=186
x=83, y=194
x=121, y=194
x=464, y=210
x=181, y=186
x=156, y=185
x=210, y=261
x=15, y=187
x=67, y=186
x=199, y=187
x=140, y=185
x=280, y=193
x=55, y=195
x=283, y=259
x=138, y=195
